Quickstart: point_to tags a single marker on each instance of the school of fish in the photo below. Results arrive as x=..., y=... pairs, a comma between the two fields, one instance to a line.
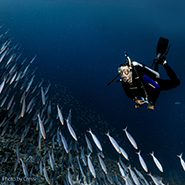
x=39, y=145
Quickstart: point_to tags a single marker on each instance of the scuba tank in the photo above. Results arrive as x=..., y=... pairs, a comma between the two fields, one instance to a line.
x=150, y=82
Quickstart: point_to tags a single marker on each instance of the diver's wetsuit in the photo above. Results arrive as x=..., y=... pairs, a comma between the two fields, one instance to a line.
x=138, y=88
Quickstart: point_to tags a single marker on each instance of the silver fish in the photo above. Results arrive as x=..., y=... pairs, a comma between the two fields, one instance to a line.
x=130, y=138
x=91, y=167
x=96, y=141
x=60, y=115
x=42, y=130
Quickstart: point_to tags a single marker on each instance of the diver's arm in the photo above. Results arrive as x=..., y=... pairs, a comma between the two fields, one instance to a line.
x=153, y=98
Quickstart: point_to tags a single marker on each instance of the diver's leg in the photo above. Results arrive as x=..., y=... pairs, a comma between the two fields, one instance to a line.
x=169, y=84
x=156, y=62
x=156, y=68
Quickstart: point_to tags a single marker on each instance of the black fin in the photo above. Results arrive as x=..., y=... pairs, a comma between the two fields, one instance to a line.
x=161, y=51
x=162, y=45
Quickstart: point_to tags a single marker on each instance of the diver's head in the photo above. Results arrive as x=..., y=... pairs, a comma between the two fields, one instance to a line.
x=125, y=72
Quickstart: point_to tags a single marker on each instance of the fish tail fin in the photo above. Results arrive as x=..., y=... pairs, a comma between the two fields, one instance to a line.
x=89, y=130
x=149, y=173
x=125, y=129
x=129, y=166
x=138, y=152
x=179, y=155
x=107, y=134
x=152, y=154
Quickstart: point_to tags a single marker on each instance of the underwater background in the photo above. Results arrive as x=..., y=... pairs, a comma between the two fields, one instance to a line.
x=79, y=46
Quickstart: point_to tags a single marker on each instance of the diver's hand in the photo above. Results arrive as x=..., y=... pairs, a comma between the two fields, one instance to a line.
x=150, y=107
x=137, y=106
x=140, y=102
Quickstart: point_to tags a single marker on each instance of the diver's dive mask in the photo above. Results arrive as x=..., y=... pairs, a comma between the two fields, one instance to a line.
x=123, y=70
x=125, y=73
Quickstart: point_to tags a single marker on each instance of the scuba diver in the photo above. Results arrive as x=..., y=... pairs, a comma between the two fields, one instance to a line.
x=143, y=84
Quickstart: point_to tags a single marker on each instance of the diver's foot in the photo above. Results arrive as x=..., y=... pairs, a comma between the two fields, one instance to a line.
x=159, y=59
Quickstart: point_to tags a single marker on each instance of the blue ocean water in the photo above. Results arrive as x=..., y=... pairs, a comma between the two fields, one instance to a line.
x=80, y=44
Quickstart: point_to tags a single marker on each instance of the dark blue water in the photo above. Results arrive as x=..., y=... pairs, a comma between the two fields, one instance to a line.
x=80, y=45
